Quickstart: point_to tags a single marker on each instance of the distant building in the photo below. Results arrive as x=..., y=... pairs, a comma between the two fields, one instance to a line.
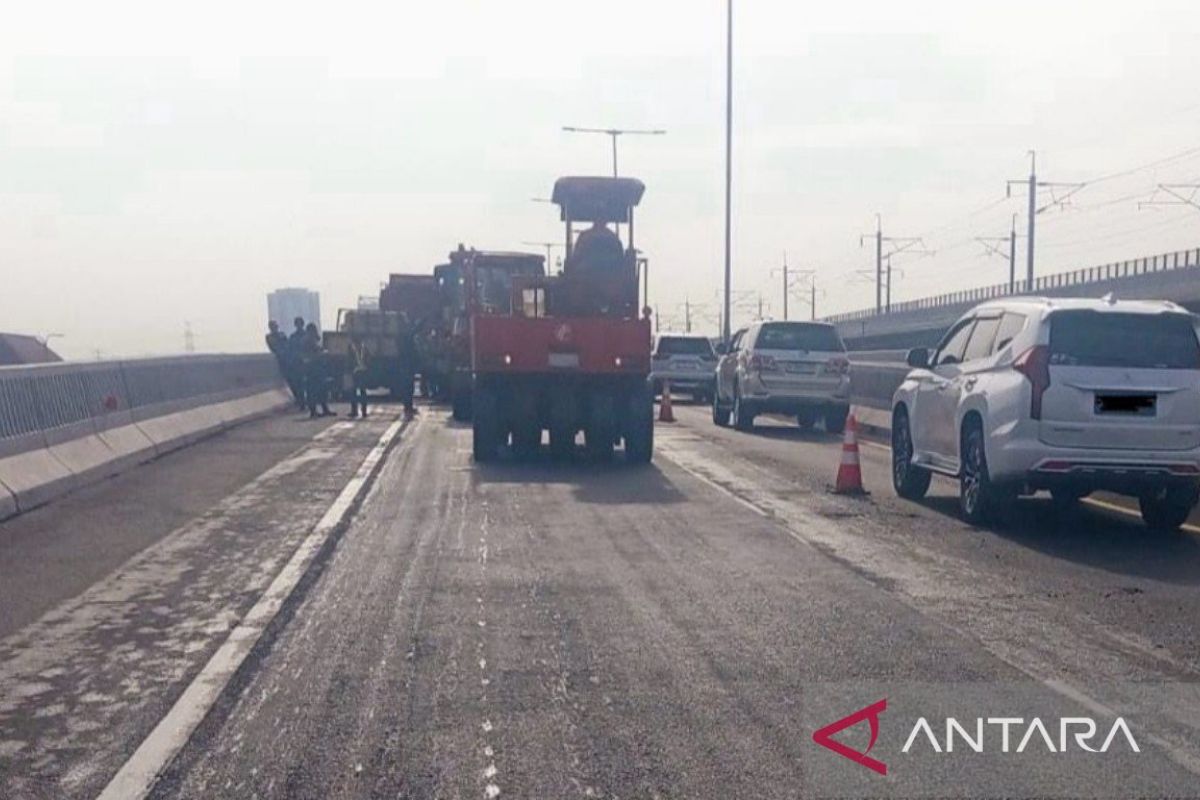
x=17, y=348
x=284, y=305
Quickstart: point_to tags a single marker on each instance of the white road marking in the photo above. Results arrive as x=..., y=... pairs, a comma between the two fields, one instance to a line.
x=137, y=775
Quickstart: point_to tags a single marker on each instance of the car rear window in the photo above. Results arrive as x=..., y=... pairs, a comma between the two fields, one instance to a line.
x=1148, y=341
x=799, y=336
x=683, y=346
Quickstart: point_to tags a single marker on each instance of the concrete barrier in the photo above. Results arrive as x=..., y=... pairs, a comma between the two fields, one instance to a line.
x=8, y=503
x=31, y=473
x=66, y=425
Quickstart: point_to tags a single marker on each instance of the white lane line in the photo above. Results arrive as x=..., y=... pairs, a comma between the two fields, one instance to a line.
x=136, y=777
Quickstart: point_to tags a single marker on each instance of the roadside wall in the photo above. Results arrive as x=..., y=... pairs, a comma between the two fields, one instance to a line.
x=66, y=425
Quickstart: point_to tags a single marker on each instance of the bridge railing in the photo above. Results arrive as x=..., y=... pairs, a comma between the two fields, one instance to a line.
x=65, y=424
x=1180, y=259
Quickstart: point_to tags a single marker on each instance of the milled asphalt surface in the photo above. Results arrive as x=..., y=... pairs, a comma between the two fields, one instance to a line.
x=89, y=678
x=539, y=630
x=54, y=552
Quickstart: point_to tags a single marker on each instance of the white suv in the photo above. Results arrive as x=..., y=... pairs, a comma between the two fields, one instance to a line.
x=688, y=361
x=1073, y=396
x=795, y=368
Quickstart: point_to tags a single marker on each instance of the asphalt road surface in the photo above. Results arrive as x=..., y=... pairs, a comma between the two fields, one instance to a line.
x=539, y=630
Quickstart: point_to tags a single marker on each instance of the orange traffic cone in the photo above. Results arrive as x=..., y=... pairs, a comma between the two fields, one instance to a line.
x=849, y=474
x=665, y=414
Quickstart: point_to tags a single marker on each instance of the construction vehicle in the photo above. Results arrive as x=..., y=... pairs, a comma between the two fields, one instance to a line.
x=449, y=339
x=567, y=352
x=414, y=296
x=380, y=331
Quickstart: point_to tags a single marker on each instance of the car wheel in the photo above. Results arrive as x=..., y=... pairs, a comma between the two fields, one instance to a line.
x=720, y=414
x=835, y=420
x=743, y=415
x=639, y=427
x=910, y=481
x=976, y=493
x=1166, y=509
x=601, y=431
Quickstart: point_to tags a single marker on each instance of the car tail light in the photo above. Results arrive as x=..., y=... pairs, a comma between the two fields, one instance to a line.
x=762, y=363
x=1185, y=469
x=837, y=366
x=1034, y=364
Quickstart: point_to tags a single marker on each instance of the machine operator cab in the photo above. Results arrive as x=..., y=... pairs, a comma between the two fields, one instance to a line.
x=599, y=272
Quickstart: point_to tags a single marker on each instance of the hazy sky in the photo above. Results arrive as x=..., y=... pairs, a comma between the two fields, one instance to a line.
x=159, y=165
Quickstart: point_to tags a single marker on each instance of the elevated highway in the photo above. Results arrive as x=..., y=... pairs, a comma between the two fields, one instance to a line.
x=295, y=608
x=920, y=323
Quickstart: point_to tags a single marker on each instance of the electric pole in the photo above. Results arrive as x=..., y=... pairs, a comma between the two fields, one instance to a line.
x=1033, y=185
x=896, y=244
x=728, y=156
x=992, y=245
x=790, y=280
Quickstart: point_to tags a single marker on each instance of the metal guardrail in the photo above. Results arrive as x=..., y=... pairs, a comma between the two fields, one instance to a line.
x=45, y=397
x=1181, y=259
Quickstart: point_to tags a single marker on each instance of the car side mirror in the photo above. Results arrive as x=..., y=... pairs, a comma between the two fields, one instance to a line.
x=918, y=357
x=721, y=349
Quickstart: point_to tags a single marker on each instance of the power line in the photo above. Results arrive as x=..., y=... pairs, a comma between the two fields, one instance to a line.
x=1178, y=194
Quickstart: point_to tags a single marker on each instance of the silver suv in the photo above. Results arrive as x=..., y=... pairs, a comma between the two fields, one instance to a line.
x=687, y=361
x=794, y=368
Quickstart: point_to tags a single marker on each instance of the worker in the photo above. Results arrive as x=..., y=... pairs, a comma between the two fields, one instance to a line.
x=359, y=358
x=296, y=357
x=278, y=344
x=316, y=373
x=598, y=248
x=406, y=348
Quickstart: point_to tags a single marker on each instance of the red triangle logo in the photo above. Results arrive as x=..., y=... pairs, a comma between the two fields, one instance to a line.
x=824, y=736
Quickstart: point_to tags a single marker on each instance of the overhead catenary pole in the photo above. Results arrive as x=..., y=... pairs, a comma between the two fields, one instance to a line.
x=1033, y=184
x=785, y=288
x=878, y=258
x=1012, y=257
x=1032, y=220
x=728, y=158
x=898, y=245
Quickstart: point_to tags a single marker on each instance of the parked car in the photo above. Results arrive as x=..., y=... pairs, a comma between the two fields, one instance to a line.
x=687, y=361
x=794, y=368
x=1067, y=395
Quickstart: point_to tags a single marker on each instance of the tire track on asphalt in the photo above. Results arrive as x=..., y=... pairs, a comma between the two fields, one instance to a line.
x=967, y=602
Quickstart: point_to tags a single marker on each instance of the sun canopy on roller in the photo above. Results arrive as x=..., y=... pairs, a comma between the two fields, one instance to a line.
x=597, y=199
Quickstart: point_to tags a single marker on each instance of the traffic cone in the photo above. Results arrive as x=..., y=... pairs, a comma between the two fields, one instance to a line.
x=665, y=414
x=849, y=474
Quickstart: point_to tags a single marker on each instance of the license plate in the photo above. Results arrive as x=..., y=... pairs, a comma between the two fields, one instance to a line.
x=564, y=360
x=1136, y=405
x=799, y=369
x=688, y=366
